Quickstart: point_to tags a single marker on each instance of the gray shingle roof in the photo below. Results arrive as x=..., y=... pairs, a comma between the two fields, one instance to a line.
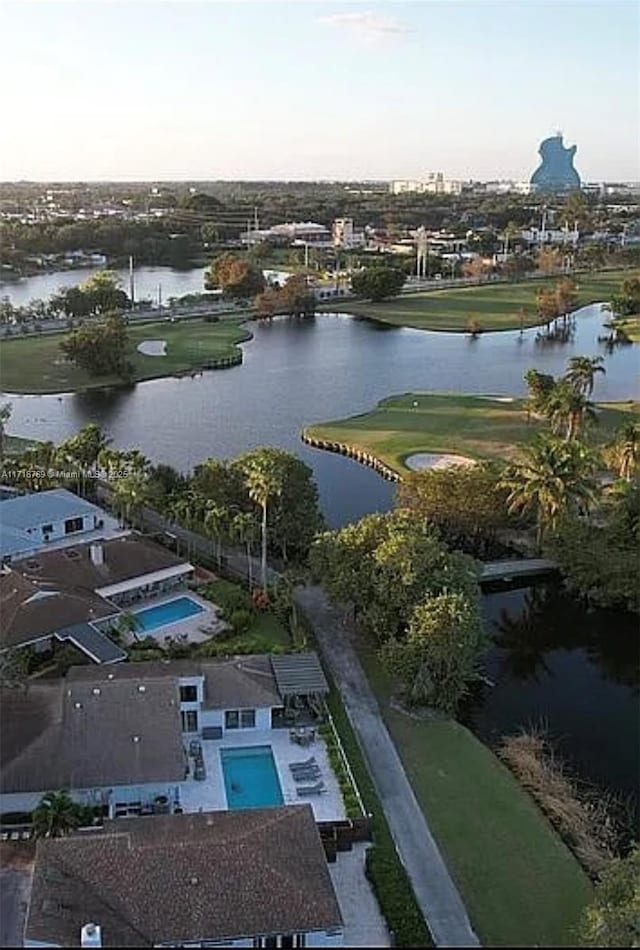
x=81, y=735
x=215, y=876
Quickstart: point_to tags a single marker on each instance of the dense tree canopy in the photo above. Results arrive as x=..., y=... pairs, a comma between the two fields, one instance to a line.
x=235, y=276
x=467, y=503
x=385, y=566
x=99, y=348
x=378, y=283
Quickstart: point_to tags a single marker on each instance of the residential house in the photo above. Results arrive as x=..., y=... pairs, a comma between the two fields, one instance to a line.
x=72, y=593
x=118, y=736
x=226, y=879
x=31, y=523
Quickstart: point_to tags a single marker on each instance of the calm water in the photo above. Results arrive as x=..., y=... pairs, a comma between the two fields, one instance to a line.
x=172, y=283
x=297, y=372
x=573, y=671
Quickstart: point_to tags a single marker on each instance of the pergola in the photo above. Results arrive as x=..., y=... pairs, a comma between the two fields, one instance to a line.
x=299, y=674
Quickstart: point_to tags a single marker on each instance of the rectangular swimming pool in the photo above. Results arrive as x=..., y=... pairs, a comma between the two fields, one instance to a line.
x=251, y=778
x=152, y=618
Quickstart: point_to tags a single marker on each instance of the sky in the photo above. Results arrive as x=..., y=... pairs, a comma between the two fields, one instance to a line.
x=150, y=90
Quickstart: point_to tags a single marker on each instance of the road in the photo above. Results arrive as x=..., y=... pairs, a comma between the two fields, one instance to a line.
x=433, y=886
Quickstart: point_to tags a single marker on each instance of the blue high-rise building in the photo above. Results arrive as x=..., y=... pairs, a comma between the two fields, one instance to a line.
x=556, y=173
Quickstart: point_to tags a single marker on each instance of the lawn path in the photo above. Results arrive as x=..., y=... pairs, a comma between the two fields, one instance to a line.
x=435, y=891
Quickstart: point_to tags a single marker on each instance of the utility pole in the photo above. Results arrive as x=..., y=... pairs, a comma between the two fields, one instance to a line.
x=131, y=284
x=159, y=296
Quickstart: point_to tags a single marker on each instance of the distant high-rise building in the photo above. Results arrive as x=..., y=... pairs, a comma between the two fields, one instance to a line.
x=556, y=173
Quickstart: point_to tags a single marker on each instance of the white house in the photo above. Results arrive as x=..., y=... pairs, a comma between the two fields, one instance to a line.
x=118, y=736
x=229, y=879
x=31, y=523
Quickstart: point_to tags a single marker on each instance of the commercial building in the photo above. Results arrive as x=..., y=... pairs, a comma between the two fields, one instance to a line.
x=345, y=235
x=434, y=183
x=293, y=233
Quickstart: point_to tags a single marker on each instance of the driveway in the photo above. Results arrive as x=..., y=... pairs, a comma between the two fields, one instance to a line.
x=16, y=870
x=433, y=886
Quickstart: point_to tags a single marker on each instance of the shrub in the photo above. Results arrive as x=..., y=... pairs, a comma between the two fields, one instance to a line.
x=240, y=620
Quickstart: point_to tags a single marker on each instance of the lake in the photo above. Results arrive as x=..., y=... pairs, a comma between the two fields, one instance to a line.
x=572, y=671
x=147, y=281
x=300, y=371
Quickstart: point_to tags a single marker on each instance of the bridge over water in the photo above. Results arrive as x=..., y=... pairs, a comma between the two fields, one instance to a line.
x=514, y=569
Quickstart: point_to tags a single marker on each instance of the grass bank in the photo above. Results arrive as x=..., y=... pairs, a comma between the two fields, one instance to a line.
x=35, y=364
x=630, y=326
x=475, y=426
x=384, y=868
x=520, y=883
x=494, y=306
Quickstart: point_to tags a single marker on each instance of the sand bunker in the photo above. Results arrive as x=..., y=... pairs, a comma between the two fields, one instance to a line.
x=422, y=460
x=152, y=347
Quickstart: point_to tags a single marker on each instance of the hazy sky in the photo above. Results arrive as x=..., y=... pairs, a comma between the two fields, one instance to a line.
x=139, y=90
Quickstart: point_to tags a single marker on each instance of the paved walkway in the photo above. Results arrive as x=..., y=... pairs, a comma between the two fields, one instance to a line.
x=434, y=888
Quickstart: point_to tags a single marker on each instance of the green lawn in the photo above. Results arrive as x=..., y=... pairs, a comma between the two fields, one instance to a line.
x=265, y=634
x=520, y=883
x=35, y=364
x=443, y=422
x=494, y=306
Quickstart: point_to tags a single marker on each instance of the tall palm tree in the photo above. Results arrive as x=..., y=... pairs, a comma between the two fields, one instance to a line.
x=568, y=409
x=582, y=372
x=244, y=530
x=56, y=815
x=216, y=524
x=264, y=482
x=624, y=452
x=552, y=479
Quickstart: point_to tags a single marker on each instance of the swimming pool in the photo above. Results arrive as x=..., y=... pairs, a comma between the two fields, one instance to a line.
x=250, y=777
x=152, y=618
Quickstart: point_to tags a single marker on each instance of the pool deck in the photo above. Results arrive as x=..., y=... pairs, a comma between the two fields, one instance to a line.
x=191, y=627
x=210, y=795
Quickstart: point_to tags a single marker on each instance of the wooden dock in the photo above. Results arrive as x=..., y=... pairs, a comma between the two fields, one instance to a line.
x=515, y=569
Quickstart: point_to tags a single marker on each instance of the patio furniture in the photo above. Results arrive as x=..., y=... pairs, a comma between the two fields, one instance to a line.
x=312, y=775
x=195, y=748
x=303, y=765
x=199, y=771
x=316, y=789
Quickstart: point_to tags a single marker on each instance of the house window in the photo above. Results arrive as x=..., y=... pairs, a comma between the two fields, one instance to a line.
x=188, y=694
x=232, y=719
x=240, y=719
x=189, y=720
x=73, y=524
x=47, y=528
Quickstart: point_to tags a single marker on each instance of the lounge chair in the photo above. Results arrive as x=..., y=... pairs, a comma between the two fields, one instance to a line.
x=316, y=789
x=313, y=775
x=303, y=765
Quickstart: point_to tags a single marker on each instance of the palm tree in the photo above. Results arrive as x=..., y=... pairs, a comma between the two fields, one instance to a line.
x=624, y=452
x=244, y=529
x=552, y=479
x=216, y=522
x=568, y=409
x=56, y=815
x=5, y=414
x=582, y=371
x=264, y=482
x=130, y=494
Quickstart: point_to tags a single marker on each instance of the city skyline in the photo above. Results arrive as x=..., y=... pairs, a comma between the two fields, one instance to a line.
x=316, y=90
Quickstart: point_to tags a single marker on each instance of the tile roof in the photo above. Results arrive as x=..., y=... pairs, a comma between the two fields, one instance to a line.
x=183, y=878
